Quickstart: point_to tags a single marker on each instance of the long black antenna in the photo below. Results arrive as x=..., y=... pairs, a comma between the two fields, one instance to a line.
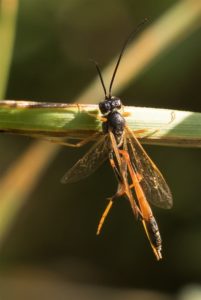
x=100, y=76
x=131, y=35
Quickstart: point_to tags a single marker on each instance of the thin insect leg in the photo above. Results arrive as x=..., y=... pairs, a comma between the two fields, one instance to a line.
x=122, y=190
x=104, y=215
x=126, y=114
x=91, y=114
x=145, y=208
x=79, y=144
x=148, y=220
x=146, y=132
x=140, y=131
x=123, y=169
x=63, y=143
x=100, y=118
x=119, y=166
x=162, y=126
x=150, y=134
x=120, y=169
x=114, y=167
x=119, y=193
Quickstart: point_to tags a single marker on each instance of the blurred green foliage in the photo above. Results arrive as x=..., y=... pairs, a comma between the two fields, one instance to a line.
x=57, y=226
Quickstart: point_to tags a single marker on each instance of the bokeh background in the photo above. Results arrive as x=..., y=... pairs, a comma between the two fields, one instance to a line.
x=49, y=248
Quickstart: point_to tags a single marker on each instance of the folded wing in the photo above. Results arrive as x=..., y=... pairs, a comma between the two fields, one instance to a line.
x=153, y=183
x=90, y=162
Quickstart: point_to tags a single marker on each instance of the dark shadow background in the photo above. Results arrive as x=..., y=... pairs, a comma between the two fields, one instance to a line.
x=56, y=228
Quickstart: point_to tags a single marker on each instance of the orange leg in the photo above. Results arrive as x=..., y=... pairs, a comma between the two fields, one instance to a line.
x=119, y=193
x=148, y=220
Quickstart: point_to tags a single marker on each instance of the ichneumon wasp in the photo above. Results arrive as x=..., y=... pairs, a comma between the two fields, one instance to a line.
x=139, y=180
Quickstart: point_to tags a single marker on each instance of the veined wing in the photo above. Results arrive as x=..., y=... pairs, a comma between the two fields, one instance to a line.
x=90, y=162
x=154, y=185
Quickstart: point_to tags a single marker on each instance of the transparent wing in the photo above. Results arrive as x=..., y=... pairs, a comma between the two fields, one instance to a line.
x=154, y=185
x=90, y=162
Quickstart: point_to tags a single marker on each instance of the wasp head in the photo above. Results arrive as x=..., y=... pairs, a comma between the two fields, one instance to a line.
x=110, y=105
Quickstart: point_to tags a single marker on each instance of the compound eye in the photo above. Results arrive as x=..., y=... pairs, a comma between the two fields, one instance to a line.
x=105, y=107
x=116, y=103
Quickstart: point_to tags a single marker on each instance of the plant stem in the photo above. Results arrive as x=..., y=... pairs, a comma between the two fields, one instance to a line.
x=161, y=126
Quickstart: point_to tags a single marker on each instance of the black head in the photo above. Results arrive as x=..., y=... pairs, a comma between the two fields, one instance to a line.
x=110, y=105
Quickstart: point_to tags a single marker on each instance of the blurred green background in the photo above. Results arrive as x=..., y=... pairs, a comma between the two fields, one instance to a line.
x=51, y=246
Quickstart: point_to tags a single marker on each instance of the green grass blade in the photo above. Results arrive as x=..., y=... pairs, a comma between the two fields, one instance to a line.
x=162, y=126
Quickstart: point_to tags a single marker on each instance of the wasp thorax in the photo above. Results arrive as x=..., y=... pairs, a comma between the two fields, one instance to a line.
x=109, y=105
